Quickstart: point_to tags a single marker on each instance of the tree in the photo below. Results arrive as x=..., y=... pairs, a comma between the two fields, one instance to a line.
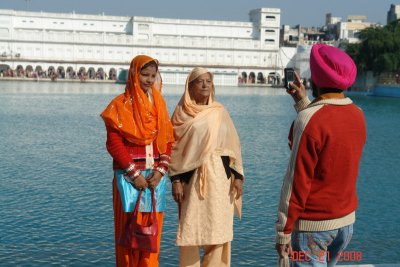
x=379, y=49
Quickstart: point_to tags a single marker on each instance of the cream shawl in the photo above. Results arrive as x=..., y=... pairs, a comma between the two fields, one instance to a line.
x=200, y=131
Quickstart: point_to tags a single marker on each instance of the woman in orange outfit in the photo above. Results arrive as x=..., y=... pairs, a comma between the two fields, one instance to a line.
x=139, y=139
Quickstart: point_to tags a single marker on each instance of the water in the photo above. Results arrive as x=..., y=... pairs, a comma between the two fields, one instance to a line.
x=56, y=196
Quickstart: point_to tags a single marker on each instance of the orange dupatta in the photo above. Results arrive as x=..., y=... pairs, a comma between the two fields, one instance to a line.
x=134, y=116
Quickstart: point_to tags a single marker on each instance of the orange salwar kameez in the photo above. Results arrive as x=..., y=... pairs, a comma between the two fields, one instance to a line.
x=139, y=138
x=128, y=257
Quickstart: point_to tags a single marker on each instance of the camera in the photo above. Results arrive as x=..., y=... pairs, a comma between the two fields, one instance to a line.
x=289, y=76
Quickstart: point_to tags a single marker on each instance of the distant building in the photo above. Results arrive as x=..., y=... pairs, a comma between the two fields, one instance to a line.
x=393, y=13
x=289, y=36
x=302, y=36
x=331, y=20
x=348, y=31
x=334, y=32
x=67, y=44
x=331, y=24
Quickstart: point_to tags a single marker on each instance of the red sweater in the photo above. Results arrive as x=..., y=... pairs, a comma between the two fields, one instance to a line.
x=125, y=153
x=319, y=189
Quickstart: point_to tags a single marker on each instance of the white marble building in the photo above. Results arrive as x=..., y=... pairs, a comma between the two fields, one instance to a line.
x=67, y=43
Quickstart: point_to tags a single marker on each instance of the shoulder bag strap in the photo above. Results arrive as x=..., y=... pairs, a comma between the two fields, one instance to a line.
x=135, y=211
x=153, y=204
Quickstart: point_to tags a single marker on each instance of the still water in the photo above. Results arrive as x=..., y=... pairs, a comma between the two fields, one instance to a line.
x=55, y=175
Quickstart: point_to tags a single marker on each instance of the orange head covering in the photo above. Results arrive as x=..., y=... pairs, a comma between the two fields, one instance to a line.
x=188, y=104
x=135, y=116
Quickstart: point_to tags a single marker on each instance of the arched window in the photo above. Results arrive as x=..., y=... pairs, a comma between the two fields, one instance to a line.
x=260, y=78
x=19, y=69
x=100, y=74
x=244, y=77
x=4, y=70
x=91, y=73
x=252, y=78
x=82, y=71
x=50, y=71
x=61, y=72
x=112, y=74
x=70, y=74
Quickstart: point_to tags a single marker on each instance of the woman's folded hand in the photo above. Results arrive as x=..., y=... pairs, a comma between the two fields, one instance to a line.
x=140, y=182
x=154, y=178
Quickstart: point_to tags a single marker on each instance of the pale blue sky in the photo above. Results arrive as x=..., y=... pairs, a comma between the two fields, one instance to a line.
x=293, y=12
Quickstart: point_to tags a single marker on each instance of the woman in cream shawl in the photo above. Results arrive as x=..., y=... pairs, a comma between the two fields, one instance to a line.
x=206, y=173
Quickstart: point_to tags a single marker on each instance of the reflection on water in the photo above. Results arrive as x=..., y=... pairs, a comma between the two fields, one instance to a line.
x=47, y=87
x=55, y=193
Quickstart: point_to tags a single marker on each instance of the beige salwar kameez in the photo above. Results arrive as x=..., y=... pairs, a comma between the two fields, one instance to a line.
x=203, y=134
x=214, y=256
x=208, y=220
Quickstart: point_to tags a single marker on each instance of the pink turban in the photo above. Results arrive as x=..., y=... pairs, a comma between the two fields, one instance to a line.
x=331, y=67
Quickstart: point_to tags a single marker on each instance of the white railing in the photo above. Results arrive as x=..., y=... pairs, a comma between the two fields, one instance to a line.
x=128, y=40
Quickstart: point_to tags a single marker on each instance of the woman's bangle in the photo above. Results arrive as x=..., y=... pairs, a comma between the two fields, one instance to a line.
x=133, y=174
x=131, y=167
x=161, y=170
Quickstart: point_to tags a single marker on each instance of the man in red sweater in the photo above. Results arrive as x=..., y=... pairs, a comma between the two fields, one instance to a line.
x=318, y=197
